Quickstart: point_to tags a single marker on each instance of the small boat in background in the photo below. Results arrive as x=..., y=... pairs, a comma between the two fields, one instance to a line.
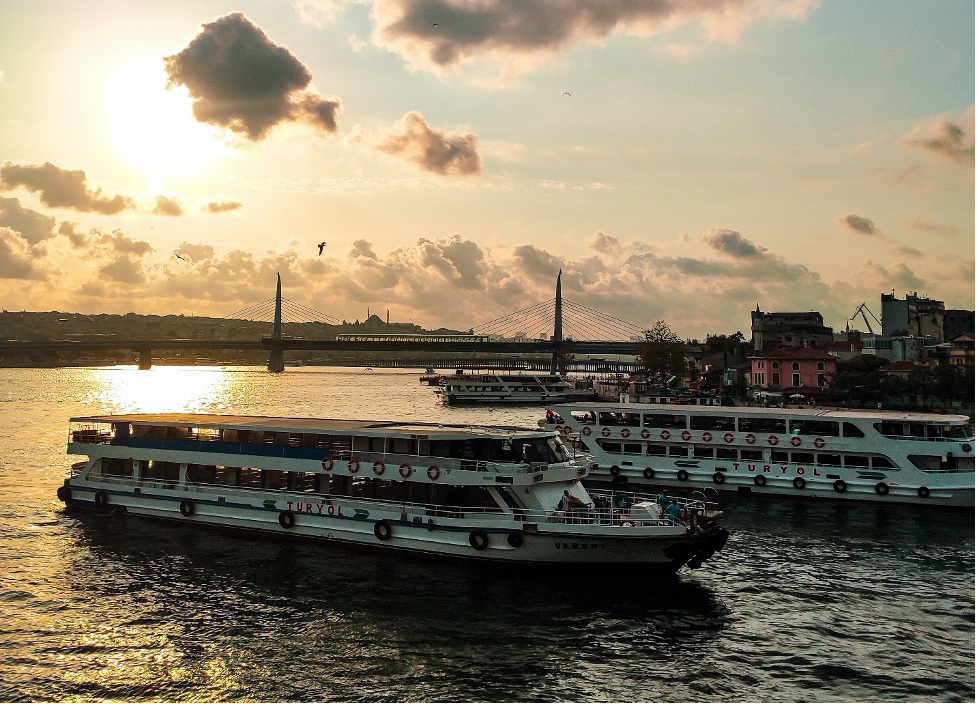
x=521, y=388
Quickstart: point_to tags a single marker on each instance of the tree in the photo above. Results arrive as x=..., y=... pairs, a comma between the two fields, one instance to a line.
x=661, y=353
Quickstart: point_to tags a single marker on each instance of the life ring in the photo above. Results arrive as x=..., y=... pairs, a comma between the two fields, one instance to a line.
x=353, y=466
x=645, y=433
x=327, y=463
x=101, y=498
x=478, y=539
x=799, y=482
x=382, y=530
x=881, y=488
x=682, y=475
x=186, y=507
x=923, y=492
x=614, y=470
x=557, y=428
x=605, y=432
x=706, y=436
x=750, y=438
x=649, y=473
x=514, y=539
x=379, y=468
x=686, y=435
x=665, y=435
x=585, y=430
x=760, y=480
x=564, y=430
x=840, y=486
x=625, y=432
x=286, y=519
x=405, y=470
x=773, y=439
x=433, y=472
x=728, y=437
x=718, y=478
x=819, y=442
x=795, y=441
x=64, y=493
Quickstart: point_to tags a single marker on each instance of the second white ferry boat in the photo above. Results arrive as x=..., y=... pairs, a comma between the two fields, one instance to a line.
x=522, y=388
x=491, y=493
x=916, y=458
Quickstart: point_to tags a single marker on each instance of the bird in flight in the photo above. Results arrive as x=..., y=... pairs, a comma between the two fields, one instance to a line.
x=565, y=93
x=179, y=257
x=322, y=246
x=435, y=24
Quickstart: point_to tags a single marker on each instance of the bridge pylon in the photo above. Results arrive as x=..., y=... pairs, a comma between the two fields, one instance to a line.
x=276, y=360
x=555, y=364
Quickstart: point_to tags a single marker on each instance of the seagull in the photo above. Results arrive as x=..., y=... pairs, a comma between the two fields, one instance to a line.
x=565, y=93
x=435, y=24
x=179, y=257
x=322, y=246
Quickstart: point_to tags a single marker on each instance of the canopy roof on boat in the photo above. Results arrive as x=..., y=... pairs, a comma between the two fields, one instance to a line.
x=807, y=411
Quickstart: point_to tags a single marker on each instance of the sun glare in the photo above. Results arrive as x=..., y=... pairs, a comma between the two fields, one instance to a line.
x=153, y=128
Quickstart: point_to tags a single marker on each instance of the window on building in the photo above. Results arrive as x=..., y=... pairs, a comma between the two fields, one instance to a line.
x=795, y=379
x=775, y=365
x=795, y=366
x=775, y=378
x=822, y=381
x=820, y=366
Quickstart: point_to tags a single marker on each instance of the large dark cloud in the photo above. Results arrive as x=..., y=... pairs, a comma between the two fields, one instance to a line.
x=732, y=243
x=431, y=149
x=240, y=79
x=32, y=225
x=61, y=188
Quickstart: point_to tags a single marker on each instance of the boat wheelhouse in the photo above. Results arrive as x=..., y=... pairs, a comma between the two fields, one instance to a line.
x=495, y=388
x=918, y=458
x=493, y=493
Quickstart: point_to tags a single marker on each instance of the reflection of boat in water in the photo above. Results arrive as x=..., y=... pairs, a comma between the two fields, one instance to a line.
x=497, y=493
x=920, y=458
x=494, y=388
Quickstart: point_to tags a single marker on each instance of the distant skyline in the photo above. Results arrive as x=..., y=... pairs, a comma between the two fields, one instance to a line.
x=676, y=163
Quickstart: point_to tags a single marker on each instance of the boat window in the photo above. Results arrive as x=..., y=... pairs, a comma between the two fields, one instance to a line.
x=751, y=454
x=829, y=460
x=856, y=461
x=613, y=418
x=726, y=453
x=850, y=430
x=778, y=456
x=664, y=420
x=704, y=452
x=657, y=450
x=560, y=451
x=361, y=443
x=712, y=423
x=303, y=481
x=678, y=451
x=581, y=445
x=208, y=434
x=281, y=438
x=401, y=446
x=115, y=467
x=613, y=448
x=156, y=470
x=249, y=477
x=882, y=463
x=377, y=443
x=632, y=448
x=274, y=479
x=201, y=473
x=960, y=432
x=756, y=425
x=802, y=457
x=814, y=427
x=583, y=417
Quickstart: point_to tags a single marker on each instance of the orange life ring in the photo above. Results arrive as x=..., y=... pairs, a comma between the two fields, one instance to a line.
x=405, y=470
x=625, y=432
x=819, y=442
x=706, y=436
x=665, y=435
x=327, y=463
x=379, y=468
x=795, y=441
x=750, y=438
x=728, y=437
x=686, y=435
x=353, y=466
x=645, y=433
x=605, y=432
x=585, y=430
x=433, y=472
x=773, y=439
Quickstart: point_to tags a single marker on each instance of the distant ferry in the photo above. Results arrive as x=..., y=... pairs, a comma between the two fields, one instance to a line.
x=520, y=388
x=491, y=493
x=917, y=458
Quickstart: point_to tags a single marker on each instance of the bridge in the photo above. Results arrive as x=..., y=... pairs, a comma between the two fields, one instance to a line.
x=589, y=332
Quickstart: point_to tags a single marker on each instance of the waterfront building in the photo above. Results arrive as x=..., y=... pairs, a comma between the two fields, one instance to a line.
x=793, y=370
x=796, y=329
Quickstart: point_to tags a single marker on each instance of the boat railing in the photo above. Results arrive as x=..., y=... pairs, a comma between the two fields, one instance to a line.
x=918, y=438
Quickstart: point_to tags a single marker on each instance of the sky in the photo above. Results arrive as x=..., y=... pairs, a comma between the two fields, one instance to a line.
x=682, y=161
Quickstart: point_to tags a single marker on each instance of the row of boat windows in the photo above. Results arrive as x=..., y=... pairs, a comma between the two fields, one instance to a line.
x=732, y=453
x=756, y=425
x=317, y=483
x=501, y=389
x=541, y=449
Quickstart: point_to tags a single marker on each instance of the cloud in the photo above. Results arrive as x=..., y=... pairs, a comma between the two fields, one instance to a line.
x=33, y=226
x=77, y=239
x=931, y=226
x=194, y=252
x=168, y=205
x=950, y=139
x=61, y=188
x=222, y=206
x=732, y=243
x=16, y=261
x=240, y=79
x=431, y=149
x=909, y=251
x=605, y=244
x=859, y=224
x=517, y=36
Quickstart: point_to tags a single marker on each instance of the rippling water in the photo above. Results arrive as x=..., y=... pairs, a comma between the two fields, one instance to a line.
x=808, y=601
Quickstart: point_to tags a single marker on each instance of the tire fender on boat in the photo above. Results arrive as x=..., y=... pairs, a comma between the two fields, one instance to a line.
x=682, y=475
x=405, y=470
x=478, y=539
x=718, y=478
x=649, y=473
x=923, y=492
x=760, y=480
x=382, y=530
x=433, y=472
x=101, y=498
x=286, y=519
x=840, y=486
x=186, y=507
x=64, y=493
x=881, y=488
x=799, y=482
x=614, y=470
x=514, y=539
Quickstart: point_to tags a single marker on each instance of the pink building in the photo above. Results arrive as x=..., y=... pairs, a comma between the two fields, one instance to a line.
x=793, y=370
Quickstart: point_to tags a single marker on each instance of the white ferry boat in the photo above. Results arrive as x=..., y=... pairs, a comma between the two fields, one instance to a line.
x=918, y=458
x=492, y=493
x=524, y=388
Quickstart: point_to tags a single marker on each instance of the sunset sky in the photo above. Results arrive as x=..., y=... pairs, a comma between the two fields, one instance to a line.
x=454, y=155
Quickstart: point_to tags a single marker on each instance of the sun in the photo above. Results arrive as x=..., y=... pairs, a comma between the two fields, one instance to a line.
x=153, y=128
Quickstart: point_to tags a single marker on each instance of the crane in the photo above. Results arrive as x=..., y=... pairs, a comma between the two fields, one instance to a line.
x=862, y=309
